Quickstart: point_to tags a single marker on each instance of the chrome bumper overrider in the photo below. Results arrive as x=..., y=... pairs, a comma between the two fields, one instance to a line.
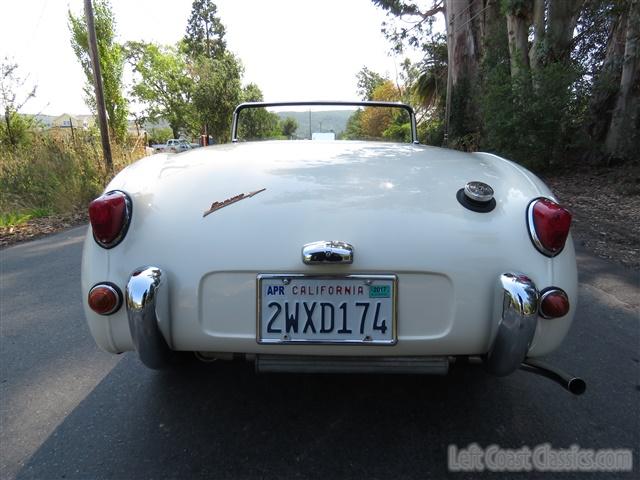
x=147, y=303
x=517, y=305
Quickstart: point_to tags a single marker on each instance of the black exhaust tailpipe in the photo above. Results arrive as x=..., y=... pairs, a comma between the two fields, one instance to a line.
x=575, y=385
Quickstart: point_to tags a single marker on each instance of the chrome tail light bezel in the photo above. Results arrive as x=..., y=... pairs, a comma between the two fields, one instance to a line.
x=533, y=234
x=128, y=210
x=552, y=291
x=114, y=289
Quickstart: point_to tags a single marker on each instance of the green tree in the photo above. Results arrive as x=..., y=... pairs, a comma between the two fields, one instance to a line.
x=539, y=81
x=430, y=84
x=160, y=135
x=353, y=130
x=15, y=127
x=466, y=22
x=217, y=91
x=256, y=123
x=163, y=84
x=368, y=81
x=205, y=31
x=111, y=63
x=289, y=127
x=375, y=120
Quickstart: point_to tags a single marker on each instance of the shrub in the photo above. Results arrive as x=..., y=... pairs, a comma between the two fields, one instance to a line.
x=55, y=173
x=532, y=120
x=159, y=135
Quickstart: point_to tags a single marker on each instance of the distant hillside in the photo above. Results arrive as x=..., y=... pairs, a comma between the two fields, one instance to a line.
x=321, y=121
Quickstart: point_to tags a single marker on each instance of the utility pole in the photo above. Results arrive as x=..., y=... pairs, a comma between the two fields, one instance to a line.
x=97, y=82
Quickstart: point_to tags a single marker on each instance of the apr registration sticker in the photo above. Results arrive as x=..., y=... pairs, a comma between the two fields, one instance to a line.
x=379, y=291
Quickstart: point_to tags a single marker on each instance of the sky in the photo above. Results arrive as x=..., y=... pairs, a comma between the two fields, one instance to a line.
x=293, y=49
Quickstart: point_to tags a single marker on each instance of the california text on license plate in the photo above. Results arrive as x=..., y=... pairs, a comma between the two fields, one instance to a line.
x=324, y=309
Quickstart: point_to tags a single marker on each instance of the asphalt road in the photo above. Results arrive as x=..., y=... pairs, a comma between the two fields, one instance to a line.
x=68, y=410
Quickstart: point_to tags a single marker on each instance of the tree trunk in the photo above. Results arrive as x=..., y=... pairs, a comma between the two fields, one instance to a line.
x=623, y=135
x=535, y=54
x=603, y=100
x=563, y=17
x=491, y=29
x=462, y=45
x=518, y=31
x=463, y=48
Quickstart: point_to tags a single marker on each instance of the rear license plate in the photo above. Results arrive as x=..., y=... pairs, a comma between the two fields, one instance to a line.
x=353, y=309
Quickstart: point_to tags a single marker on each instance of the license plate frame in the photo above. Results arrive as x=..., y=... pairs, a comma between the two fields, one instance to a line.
x=391, y=279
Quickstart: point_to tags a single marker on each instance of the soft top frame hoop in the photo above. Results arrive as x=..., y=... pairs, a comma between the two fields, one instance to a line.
x=404, y=106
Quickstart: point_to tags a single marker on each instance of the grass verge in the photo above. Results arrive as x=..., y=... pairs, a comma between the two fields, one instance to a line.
x=54, y=173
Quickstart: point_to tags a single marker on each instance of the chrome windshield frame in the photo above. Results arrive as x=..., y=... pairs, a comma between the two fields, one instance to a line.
x=246, y=105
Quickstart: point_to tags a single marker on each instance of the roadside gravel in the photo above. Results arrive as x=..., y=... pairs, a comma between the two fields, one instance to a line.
x=38, y=227
x=606, y=212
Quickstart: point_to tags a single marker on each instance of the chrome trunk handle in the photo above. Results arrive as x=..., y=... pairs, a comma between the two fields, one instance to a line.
x=333, y=252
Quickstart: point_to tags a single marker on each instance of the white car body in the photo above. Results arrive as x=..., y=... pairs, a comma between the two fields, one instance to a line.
x=395, y=203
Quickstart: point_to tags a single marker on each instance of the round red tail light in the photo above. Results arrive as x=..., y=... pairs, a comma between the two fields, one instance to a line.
x=554, y=303
x=110, y=215
x=105, y=298
x=549, y=225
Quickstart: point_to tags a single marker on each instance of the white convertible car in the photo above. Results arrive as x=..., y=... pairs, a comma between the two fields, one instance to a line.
x=331, y=256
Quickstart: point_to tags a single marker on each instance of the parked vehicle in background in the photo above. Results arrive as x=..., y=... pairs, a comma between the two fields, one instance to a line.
x=172, y=146
x=323, y=136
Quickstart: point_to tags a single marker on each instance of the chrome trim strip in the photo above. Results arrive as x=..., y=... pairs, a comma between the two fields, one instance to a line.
x=323, y=253
x=532, y=230
x=517, y=302
x=242, y=106
x=147, y=304
x=394, y=333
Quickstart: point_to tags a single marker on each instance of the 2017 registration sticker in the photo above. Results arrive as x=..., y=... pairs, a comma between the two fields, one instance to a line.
x=379, y=291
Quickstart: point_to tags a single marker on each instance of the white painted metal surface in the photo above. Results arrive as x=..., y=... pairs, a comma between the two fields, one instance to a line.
x=396, y=204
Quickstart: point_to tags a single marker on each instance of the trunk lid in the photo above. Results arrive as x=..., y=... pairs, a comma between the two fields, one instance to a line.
x=382, y=198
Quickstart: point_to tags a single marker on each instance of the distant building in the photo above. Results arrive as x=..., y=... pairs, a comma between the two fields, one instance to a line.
x=42, y=121
x=76, y=121
x=88, y=121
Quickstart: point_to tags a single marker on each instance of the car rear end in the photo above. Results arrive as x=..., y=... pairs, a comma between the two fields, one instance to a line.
x=331, y=257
